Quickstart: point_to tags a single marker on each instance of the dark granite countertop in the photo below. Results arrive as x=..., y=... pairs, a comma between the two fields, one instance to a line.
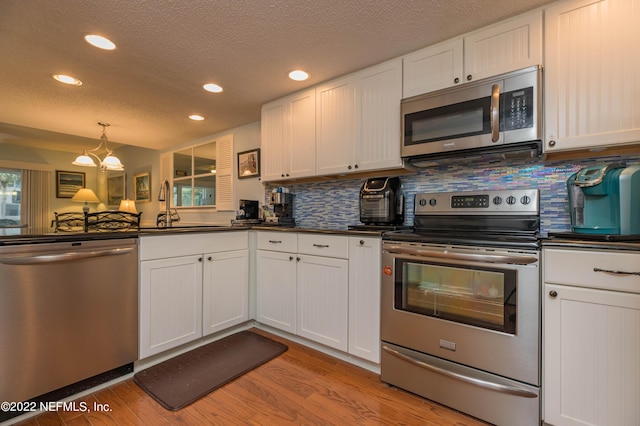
x=15, y=236
x=592, y=241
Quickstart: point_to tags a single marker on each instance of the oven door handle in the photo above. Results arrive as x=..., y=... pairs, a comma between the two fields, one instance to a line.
x=446, y=254
x=496, y=387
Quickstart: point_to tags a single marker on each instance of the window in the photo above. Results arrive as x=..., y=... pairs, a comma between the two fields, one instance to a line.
x=201, y=176
x=10, y=194
x=194, y=176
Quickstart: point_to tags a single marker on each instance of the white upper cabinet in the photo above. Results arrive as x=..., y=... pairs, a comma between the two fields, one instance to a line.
x=507, y=46
x=358, y=121
x=288, y=137
x=592, y=83
x=433, y=68
x=377, y=145
x=336, y=126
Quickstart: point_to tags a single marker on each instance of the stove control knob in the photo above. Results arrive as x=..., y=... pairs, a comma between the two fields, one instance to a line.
x=422, y=202
x=432, y=202
x=525, y=199
x=511, y=200
x=497, y=200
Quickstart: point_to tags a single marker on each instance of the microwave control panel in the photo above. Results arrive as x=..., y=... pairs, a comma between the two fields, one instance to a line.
x=517, y=109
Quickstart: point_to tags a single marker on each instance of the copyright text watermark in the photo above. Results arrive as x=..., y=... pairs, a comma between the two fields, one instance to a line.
x=29, y=406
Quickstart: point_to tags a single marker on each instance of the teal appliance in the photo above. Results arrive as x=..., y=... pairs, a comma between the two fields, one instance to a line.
x=605, y=199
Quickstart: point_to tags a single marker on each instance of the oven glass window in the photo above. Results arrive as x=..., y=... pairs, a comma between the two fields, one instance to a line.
x=483, y=297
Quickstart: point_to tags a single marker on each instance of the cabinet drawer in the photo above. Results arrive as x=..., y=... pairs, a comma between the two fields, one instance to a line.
x=190, y=243
x=324, y=245
x=278, y=241
x=610, y=270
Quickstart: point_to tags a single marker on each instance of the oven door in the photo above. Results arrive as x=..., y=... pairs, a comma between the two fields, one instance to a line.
x=474, y=306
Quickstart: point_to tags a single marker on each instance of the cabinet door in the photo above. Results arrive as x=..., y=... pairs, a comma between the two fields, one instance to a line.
x=276, y=289
x=592, y=348
x=506, y=46
x=591, y=74
x=322, y=300
x=274, y=145
x=170, y=303
x=225, y=290
x=301, y=135
x=335, y=126
x=433, y=68
x=378, y=138
x=364, y=297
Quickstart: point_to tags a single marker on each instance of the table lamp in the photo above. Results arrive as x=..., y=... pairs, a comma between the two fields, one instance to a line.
x=128, y=206
x=85, y=196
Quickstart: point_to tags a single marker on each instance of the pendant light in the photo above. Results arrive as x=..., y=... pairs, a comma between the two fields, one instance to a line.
x=109, y=162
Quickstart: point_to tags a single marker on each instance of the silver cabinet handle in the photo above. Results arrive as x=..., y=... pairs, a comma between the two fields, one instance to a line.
x=609, y=271
x=495, y=113
x=476, y=381
x=62, y=257
x=321, y=245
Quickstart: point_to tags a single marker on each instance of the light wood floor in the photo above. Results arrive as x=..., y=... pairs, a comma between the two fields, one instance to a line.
x=300, y=387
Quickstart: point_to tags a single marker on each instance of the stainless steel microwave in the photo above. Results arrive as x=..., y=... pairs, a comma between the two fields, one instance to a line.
x=497, y=113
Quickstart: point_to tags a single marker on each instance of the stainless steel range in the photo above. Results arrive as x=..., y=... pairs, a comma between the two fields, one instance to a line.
x=461, y=315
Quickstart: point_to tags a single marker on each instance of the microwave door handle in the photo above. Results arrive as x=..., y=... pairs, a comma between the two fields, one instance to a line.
x=494, y=111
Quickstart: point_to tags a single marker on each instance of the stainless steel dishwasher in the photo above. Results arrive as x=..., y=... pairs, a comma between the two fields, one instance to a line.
x=68, y=311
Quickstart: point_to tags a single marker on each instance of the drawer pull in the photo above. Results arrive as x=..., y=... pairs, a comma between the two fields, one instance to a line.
x=553, y=293
x=609, y=271
x=321, y=245
x=275, y=241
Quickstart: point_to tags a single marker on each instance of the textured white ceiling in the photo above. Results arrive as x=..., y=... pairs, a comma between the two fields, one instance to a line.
x=166, y=50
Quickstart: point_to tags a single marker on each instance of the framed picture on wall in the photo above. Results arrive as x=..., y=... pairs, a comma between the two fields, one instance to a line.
x=142, y=187
x=68, y=183
x=116, y=189
x=249, y=164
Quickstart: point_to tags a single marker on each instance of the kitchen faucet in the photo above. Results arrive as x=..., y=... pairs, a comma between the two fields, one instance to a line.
x=164, y=196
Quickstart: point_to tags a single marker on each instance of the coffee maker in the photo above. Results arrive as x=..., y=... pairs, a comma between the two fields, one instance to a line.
x=605, y=199
x=282, y=204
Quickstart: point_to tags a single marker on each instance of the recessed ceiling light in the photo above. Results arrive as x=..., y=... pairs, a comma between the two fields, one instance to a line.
x=196, y=117
x=67, y=79
x=212, y=87
x=100, y=42
x=298, y=75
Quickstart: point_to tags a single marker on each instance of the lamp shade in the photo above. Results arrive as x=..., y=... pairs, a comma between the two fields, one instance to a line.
x=85, y=195
x=128, y=206
x=84, y=160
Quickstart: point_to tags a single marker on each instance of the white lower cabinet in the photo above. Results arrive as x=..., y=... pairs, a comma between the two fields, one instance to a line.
x=323, y=287
x=323, y=294
x=364, y=297
x=591, y=358
x=225, y=290
x=170, y=303
x=190, y=286
x=276, y=289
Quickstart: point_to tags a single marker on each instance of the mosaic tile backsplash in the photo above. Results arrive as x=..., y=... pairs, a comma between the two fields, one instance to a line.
x=334, y=204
